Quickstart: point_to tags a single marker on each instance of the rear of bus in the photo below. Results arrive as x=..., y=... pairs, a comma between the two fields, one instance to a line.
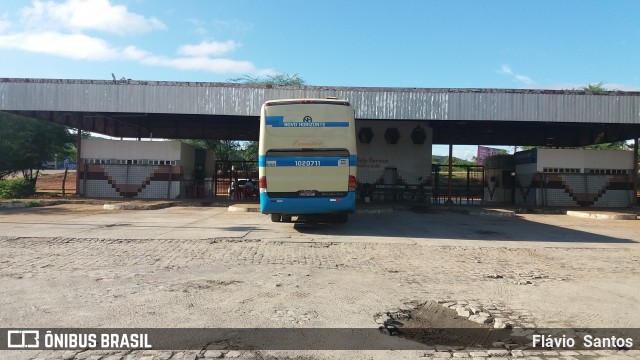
x=307, y=158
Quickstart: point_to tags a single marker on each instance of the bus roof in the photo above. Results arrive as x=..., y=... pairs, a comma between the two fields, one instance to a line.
x=329, y=101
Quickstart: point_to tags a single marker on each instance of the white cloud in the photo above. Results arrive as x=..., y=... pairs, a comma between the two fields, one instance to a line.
x=83, y=47
x=197, y=63
x=465, y=152
x=208, y=48
x=266, y=72
x=73, y=46
x=505, y=70
x=60, y=29
x=202, y=64
x=81, y=15
x=524, y=79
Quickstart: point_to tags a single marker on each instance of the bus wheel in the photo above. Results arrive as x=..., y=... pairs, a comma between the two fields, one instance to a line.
x=286, y=218
x=275, y=217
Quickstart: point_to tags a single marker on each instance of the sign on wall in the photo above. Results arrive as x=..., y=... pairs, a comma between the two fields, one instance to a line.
x=485, y=152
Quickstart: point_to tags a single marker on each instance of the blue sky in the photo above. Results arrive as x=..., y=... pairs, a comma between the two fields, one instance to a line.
x=550, y=44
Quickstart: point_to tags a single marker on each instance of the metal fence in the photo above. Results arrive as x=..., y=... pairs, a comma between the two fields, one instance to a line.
x=240, y=171
x=466, y=187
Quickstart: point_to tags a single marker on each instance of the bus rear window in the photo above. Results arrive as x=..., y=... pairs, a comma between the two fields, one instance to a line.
x=307, y=152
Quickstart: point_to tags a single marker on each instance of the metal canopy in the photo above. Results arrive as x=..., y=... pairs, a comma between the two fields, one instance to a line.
x=178, y=110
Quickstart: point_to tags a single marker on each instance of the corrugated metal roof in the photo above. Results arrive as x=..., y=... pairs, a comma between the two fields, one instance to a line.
x=370, y=103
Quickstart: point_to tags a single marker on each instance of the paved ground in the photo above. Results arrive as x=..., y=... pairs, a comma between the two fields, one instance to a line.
x=83, y=266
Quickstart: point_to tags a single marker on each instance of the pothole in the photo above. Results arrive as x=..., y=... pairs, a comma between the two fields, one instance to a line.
x=202, y=284
x=488, y=328
x=454, y=325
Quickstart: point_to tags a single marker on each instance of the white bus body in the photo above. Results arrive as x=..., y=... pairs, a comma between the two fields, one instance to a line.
x=307, y=158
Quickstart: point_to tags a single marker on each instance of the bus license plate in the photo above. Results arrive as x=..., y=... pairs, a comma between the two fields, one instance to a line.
x=307, y=193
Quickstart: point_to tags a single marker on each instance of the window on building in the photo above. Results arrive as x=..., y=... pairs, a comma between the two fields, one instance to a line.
x=561, y=170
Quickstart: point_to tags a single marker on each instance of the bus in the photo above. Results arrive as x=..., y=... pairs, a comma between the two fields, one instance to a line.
x=307, y=158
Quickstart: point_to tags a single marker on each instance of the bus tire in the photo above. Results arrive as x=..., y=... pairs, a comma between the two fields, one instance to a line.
x=286, y=218
x=275, y=217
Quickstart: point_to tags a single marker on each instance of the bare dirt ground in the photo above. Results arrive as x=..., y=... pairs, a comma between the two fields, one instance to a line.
x=82, y=266
x=50, y=182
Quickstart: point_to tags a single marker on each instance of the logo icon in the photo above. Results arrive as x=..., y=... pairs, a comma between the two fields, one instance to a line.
x=23, y=339
x=307, y=119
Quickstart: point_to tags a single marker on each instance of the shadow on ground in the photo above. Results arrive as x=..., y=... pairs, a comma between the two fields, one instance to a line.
x=455, y=226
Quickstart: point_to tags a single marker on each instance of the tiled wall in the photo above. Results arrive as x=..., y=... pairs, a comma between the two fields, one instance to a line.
x=585, y=190
x=131, y=181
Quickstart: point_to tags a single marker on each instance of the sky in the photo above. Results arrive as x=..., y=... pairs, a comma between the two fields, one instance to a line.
x=542, y=44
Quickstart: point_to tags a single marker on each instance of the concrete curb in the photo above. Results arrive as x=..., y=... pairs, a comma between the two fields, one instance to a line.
x=13, y=204
x=495, y=213
x=602, y=216
x=244, y=208
x=483, y=212
x=137, y=206
x=378, y=211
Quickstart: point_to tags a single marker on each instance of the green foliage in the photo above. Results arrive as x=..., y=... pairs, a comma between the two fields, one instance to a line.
x=598, y=87
x=444, y=160
x=16, y=188
x=271, y=80
x=619, y=145
x=228, y=149
x=249, y=151
x=26, y=143
x=35, y=203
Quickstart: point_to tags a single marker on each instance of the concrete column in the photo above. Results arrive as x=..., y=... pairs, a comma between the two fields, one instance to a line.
x=449, y=200
x=635, y=171
x=78, y=155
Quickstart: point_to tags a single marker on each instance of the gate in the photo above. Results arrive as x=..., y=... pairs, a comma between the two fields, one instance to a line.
x=227, y=171
x=467, y=184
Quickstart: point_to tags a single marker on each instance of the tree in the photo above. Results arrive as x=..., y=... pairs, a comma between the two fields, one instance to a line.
x=597, y=87
x=271, y=80
x=26, y=143
x=227, y=150
x=250, y=151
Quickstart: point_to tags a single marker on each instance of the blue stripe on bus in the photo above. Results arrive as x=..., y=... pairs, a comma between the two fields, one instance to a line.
x=301, y=206
x=291, y=161
x=278, y=121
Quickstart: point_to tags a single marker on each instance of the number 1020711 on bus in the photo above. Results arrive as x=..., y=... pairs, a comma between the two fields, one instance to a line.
x=307, y=162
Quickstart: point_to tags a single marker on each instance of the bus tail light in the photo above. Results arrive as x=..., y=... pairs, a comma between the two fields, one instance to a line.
x=262, y=184
x=353, y=183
